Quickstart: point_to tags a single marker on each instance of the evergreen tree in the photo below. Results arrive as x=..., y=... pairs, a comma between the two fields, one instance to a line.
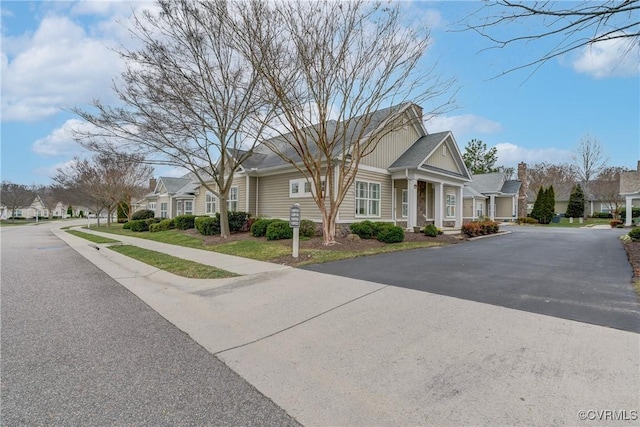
x=69, y=211
x=535, y=213
x=575, y=209
x=478, y=158
x=550, y=204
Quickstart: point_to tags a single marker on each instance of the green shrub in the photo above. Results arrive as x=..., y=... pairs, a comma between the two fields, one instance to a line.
x=279, y=230
x=121, y=214
x=307, y=228
x=431, y=230
x=365, y=229
x=143, y=214
x=391, y=234
x=163, y=225
x=184, y=222
x=634, y=234
x=238, y=221
x=259, y=226
x=602, y=215
x=208, y=225
x=527, y=220
x=635, y=212
x=126, y=225
x=138, y=225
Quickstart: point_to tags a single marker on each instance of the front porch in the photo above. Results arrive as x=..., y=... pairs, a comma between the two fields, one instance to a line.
x=420, y=201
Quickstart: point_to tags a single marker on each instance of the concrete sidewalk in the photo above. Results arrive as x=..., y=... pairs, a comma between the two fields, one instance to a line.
x=338, y=351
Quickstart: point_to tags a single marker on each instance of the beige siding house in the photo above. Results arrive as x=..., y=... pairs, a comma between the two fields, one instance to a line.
x=491, y=195
x=412, y=178
x=630, y=190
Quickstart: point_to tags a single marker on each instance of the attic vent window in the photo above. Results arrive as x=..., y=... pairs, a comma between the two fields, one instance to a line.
x=444, y=151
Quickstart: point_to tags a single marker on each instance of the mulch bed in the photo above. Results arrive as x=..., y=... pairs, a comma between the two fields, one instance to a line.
x=633, y=253
x=342, y=243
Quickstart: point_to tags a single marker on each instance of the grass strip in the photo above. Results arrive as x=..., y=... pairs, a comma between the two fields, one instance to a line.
x=92, y=237
x=171, y=264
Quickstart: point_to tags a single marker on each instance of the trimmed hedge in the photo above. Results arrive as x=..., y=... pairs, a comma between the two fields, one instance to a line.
x=126, y=225
x=431, y=230
x=391, y=234
x=364, y=229
x=138, y=225
x=208, y=225
x=279, y=230
x=480, y=228
x=635, y=234
x=184, y=222
x=259, y=226
x=164, y=225
x=238, y=221
x=307, y=228
x=143, y=214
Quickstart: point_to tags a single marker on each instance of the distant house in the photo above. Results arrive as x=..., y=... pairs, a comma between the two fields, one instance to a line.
x=630, y=190
x=412, y=178
x=491, y=195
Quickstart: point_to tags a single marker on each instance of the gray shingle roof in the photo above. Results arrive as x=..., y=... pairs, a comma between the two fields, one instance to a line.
x=511, y=187
x=469, y=191
x=488, y=182
x=173, y=185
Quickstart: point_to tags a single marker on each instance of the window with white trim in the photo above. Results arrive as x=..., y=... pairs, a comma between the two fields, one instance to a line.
x=163, y=209
x=451, y=205
x=210, y=203
x=367, y=199
x=605, y=208
x=179, y=207
x=188, y=207
x=480, y=209
x=405, y=203
x=301, y=187
x=151, y=206
x=232, y=201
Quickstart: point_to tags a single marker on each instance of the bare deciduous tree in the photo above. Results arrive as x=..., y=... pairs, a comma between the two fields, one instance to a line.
x=573, y=25
x=189, y=98
x=606, y=188
x=16, y=196
x=333, y=68
x=546, y=174
x=106, y=180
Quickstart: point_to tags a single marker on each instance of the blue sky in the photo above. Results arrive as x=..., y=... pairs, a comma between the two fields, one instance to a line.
x=56, y=55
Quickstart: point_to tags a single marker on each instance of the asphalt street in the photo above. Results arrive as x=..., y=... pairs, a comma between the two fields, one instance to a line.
x=576, y=274
x=80, y=349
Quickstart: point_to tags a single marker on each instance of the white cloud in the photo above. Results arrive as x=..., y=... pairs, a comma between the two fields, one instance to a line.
x=462, y=125
x=60, y=142
x=511, y=154
x=51, y=171
x=59, y=66
x=610, y=58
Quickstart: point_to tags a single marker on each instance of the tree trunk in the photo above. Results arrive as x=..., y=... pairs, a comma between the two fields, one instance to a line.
x=224, y=217
x=328, y=227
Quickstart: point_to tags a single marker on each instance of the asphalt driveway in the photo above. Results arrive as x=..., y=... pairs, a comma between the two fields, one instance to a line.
x=576, y=274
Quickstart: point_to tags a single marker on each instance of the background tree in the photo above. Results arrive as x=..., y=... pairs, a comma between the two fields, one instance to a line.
x=575, y=208
x=336, y=61
x=606, y=189
x=544, y=174
x=190, y=99
x=544, y=206
x=50, y=195
x=550, y=204
x=572, y=25
x=16, y=196
x=479, y=159
x=589, y=159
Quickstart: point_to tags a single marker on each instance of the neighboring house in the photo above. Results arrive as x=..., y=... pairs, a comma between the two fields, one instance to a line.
x=491, y=195
x=172, y=197
x=411, y=179
x=630, y=190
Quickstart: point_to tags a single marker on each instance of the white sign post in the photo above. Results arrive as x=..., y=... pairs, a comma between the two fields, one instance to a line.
x=294, y=222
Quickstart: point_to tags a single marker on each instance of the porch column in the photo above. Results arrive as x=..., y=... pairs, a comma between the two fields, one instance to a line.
x=437, y=204
x=393, y=202
x=629, y=211
x=492, y=207
x=459, y=207
x=412, y=195
x=473, y=208
x=514, y=206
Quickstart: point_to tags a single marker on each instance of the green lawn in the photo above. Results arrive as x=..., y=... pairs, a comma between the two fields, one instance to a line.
x=261, y=249
x=171, y=264
x=564, y=222
x=92, y=237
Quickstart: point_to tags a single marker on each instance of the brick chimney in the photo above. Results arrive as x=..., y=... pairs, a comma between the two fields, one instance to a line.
x=524, y=189
x=152, y=184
